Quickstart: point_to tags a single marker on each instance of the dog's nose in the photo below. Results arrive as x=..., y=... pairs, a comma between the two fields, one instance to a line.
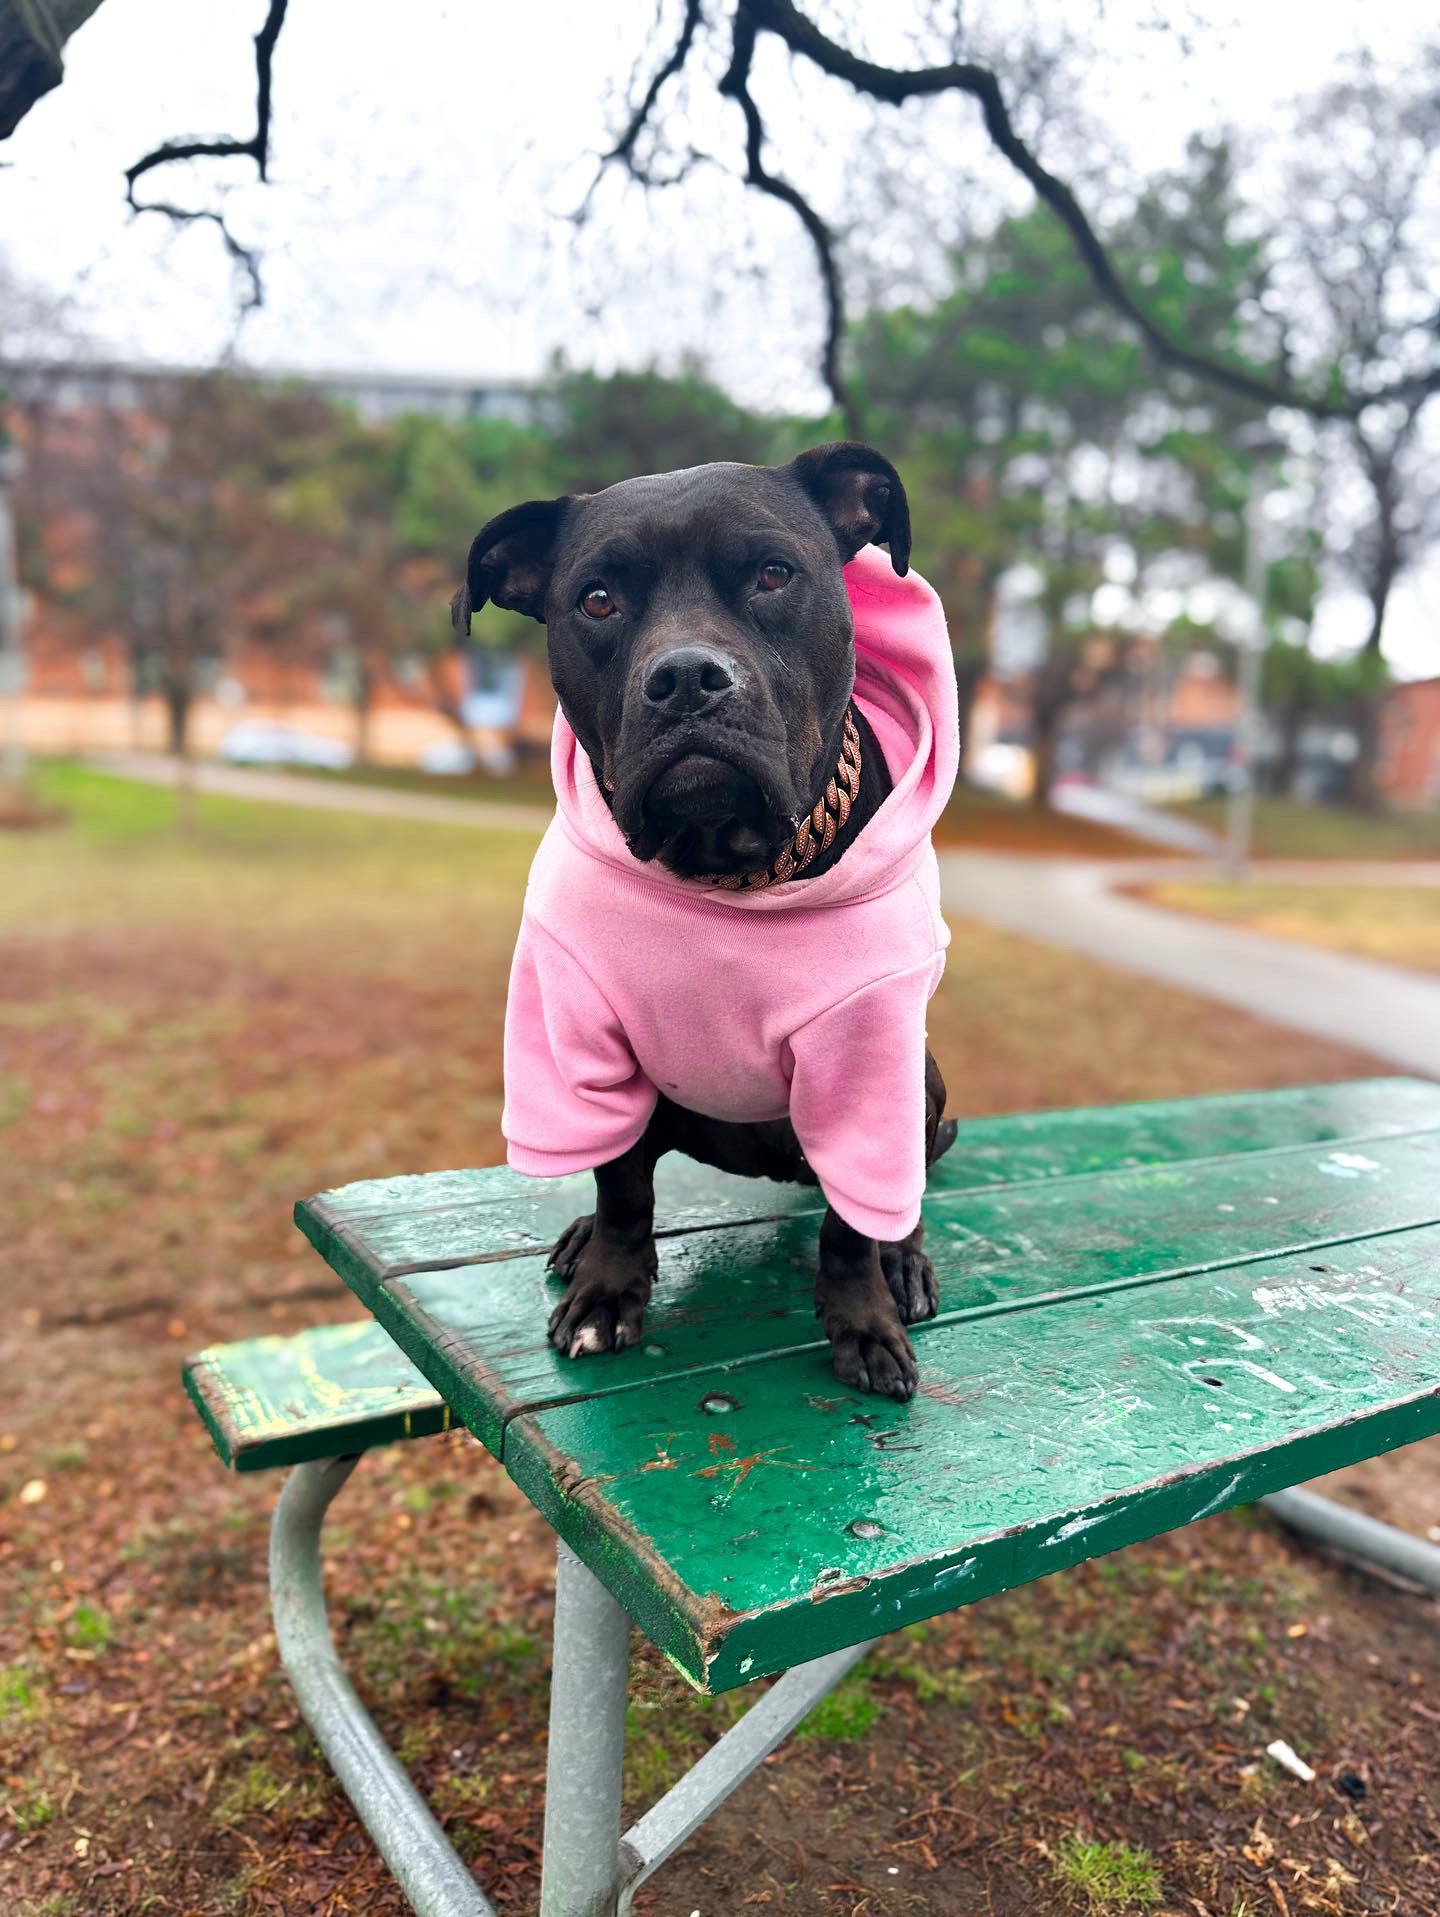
x=688, y=680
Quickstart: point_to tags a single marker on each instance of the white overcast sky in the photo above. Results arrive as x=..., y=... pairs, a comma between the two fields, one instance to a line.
x=422, y=153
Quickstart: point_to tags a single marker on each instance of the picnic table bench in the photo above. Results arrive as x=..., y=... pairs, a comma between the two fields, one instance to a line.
x=1148, y=1314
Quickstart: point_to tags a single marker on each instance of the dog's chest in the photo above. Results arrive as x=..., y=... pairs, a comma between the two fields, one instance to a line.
x=710, y=997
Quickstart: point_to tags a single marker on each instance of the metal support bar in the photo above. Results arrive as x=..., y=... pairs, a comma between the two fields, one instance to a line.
x=387, y=1803
x=1362, y=1537
x=726, y=1765
x=589, y=1683
x=588, y=1869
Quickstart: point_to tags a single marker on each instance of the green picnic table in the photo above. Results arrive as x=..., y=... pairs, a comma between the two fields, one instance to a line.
x=1148, y=1313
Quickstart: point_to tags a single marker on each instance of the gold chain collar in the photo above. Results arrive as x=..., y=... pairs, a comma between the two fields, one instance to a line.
x=816, y=831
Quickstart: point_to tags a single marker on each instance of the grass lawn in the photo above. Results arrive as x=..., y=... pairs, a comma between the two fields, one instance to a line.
x=196, y=1030
x=529, y=784
x=1286, y=830
x=1400, y=923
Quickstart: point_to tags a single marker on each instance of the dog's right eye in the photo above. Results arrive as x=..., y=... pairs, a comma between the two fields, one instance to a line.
x=596, y=603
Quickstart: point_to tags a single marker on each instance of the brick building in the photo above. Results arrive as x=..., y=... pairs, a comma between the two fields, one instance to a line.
x=83, y=691
x=1409, y=768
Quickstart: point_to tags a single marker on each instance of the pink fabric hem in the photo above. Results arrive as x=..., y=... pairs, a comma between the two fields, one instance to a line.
x=887, y=1226
x=537, y=1164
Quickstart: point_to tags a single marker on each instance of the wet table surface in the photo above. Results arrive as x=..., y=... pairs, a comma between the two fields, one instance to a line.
x=1148, y=1313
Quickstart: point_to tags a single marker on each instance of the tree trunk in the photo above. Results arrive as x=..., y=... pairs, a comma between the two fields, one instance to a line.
x=968, y=674
x=1362, y=787
x=1044, y=740
x=447, y=706
x=364, y=695
x=1286, y=769
x=179, y=696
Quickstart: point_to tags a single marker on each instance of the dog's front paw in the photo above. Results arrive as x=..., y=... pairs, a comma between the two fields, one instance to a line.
x=604, y=1305
x=868, y=1341
x=911, y=1280
x=565, y=1253
x=875, y=1357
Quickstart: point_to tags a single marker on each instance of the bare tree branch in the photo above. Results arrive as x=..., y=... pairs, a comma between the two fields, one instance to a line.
x=624, y=147
x=256, y=148
x=893, y=87
x=735, y=85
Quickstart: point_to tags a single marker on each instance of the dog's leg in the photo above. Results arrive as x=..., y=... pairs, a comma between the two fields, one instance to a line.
x=909, y=1277
x=608, y=1258
x=859, y=1314
x=906, y=1268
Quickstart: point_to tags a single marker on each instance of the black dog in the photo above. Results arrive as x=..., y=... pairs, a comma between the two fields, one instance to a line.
x=701, y=643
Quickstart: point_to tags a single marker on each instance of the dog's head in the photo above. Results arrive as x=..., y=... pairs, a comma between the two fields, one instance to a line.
x=700, y=638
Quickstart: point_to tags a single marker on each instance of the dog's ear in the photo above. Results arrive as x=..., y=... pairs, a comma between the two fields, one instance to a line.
x=860, y=493
x=510, y=561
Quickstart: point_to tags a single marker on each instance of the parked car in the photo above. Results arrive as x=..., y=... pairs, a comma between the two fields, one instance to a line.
x=453, y=759
x=258, y=742
x=447, y=759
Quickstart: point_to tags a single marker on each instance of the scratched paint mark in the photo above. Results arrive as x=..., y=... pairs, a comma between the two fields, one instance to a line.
x=1245, y=1339
x=1372, y=1308
x=662, y=1461
x=742, y=1467
x=1073, y=1528
x=1242, y=1364
x=1221, y=1497
x=1109, y=1415
x=954, y=1573
x=943, y=1394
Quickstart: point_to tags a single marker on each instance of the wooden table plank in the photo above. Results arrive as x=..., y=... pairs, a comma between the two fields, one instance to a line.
x=278, y=1401
x=478, y=1332
x=476, y=1217
x=1095, y=1270
x=754, y=1518
x=385, y=1228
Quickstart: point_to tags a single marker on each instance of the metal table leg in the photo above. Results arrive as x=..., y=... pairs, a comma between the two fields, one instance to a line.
x=589, y=1870
x=589, y=1684
x=726, y=1765
x=1365, y=1538
x=387, y=1803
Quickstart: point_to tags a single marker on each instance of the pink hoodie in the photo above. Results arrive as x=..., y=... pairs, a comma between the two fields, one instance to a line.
x=807, y=998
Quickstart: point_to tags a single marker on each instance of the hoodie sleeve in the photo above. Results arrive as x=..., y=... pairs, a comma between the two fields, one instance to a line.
x=857, y=1101
x=574, y=1095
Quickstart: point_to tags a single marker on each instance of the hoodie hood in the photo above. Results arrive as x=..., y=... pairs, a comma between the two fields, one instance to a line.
x=904, y=685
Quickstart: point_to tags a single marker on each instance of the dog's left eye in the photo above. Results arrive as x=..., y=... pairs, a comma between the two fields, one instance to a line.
x=774, y=574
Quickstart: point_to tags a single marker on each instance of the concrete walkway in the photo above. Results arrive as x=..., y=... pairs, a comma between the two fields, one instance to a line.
x=1384, y=1009
x=1141, y=821
x=328, y=795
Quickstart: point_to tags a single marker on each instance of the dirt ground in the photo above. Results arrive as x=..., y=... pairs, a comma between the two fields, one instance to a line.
x=193, y=1032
